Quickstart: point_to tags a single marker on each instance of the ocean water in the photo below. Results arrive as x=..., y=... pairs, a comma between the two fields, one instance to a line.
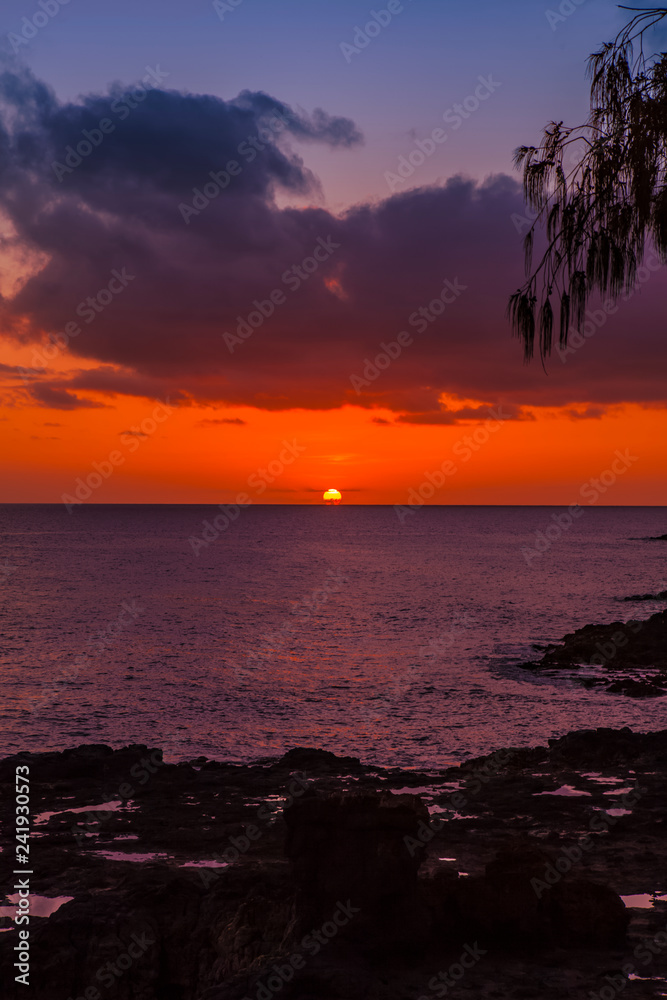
x=331, y=627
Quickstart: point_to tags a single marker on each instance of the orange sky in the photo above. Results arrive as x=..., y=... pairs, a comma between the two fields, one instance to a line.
x=183, y=459
x=356, y=267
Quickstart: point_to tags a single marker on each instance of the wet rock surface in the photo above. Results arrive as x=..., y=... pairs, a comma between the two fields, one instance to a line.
x=630, y=657
x=317, y=877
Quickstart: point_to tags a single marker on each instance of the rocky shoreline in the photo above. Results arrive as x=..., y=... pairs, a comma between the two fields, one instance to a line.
x=314, y=876
x=630, y=657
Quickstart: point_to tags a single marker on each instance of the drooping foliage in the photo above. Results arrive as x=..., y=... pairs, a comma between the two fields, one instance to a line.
x=599, y=189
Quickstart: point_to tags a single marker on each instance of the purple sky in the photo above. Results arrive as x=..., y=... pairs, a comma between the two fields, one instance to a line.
x=427, y=59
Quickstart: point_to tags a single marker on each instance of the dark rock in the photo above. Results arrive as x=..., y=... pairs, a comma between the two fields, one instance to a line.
x=264, y=923
x=516, y=905
x=618, y=646
x=593, y=747
x=636, y=689
x=352, y=847
x=306, y=759
x=220, y=932
x=662, y=596
x=89, y=762
x=181, y=937
x=587, y=914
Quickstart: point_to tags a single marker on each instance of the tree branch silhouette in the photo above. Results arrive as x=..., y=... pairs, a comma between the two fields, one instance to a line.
x=599, y=213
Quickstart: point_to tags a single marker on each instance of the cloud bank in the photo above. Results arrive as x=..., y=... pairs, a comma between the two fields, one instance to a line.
x=164, y=245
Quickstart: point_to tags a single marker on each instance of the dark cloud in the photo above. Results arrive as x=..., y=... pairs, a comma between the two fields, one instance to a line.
x=15, y=373
x=113, y=382
x=222, y=420
x=60, y=399
x=476, y=413
x=588, y=413
x=347, y=283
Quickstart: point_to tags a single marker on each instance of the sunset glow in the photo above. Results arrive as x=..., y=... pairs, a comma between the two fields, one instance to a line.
x=258, y=259
x=363, y=317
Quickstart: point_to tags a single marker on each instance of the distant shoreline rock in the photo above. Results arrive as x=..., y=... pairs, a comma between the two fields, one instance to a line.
x=631, y=656
x=662, y=596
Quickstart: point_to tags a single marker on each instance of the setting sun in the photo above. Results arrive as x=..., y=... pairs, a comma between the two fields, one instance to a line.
x=332, y=496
